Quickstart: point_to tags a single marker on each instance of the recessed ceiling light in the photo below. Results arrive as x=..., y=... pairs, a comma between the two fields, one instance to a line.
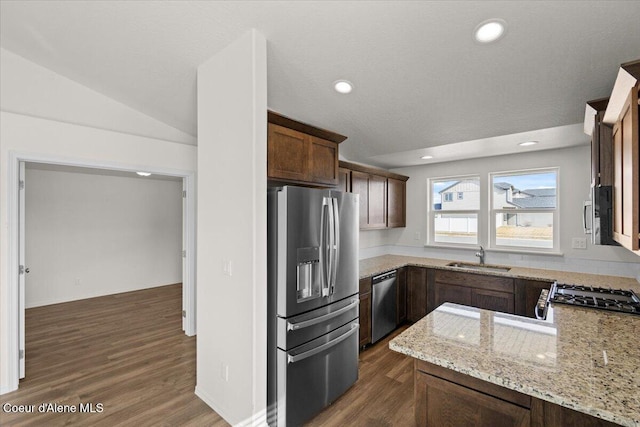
x=426, y=157
x=527, y=143
x=143, y=173
x=343, y=86
x=490, y=30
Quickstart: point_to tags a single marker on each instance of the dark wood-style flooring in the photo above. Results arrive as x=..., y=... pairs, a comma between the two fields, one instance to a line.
x=382, y=396
x=125, y=351
x=128, y=353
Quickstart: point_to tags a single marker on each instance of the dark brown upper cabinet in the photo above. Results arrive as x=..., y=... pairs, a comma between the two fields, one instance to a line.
x=622, y=113
x=301, y=154
x=382, y=195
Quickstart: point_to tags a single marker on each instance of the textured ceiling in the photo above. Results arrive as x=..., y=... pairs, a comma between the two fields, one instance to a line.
x=420, y=79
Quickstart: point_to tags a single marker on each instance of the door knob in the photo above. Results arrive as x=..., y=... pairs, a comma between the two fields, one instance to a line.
x=26, y=270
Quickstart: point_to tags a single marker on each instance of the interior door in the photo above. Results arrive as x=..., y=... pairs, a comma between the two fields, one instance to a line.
x=22, y=269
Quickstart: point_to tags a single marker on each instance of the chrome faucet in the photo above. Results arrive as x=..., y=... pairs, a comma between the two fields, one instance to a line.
x=480, y=254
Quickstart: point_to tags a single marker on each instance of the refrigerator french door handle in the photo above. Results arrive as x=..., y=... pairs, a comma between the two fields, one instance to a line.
x=325, y=256
x=332, y=243
x=586, y=205
x=336, y=243
x=323, y=347
x=299, y=325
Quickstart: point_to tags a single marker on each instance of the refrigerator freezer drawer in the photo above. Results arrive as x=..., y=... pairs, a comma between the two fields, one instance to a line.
x=298, y=330
x=313, y=375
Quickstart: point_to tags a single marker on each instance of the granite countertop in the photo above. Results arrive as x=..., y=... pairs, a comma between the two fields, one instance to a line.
x=584, y=359
x=380, y=264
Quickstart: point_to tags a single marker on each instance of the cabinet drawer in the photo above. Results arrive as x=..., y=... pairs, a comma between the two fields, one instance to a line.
x=492, y=300
x=503, y=284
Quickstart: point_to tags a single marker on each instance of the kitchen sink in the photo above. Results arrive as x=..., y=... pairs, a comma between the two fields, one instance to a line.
x=479, y=267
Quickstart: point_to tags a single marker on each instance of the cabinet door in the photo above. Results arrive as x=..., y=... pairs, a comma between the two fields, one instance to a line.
x=626, y=183
x=323, y=161
x=287, y=154
x=443, y=403
x=344, y=180
x=401, y=307
x=365, y=319
x=444, y=292
x=396, y=192
x=416, y=293
x=360, y=185
x=377, y=202
x=556, y=415
x=527, y=294
x=492, y=300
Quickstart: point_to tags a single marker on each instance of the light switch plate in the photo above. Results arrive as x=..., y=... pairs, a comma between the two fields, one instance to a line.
x=227, y=267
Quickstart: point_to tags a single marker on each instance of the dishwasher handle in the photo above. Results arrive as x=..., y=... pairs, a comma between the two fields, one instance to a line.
x=384, y=276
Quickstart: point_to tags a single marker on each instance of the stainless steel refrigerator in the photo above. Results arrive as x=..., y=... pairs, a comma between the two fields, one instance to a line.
x=312, y=300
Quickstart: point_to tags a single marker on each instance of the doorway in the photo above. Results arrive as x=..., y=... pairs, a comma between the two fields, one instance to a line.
x=16, y=218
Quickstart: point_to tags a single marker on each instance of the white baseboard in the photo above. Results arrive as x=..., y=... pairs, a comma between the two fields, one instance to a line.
x=256, y=420
x=7, y=389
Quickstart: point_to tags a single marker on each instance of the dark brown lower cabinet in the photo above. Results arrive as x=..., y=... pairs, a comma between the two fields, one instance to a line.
x=478, y=290
x=527, y=294
x=401, y=296
x=444, y=292
x=448, y=404
x=416, y=293
x=492, y=300
x=445, y=398
x=365, y=311
x=365, y=319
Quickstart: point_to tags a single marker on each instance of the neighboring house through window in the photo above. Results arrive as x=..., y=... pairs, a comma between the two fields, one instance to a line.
x=454, y=220
x=524, y=209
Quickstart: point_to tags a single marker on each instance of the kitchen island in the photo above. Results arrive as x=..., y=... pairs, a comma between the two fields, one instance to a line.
x=479, y=367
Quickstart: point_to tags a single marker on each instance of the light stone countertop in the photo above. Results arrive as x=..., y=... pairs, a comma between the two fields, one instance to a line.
x=560, y=360
x=380, y=264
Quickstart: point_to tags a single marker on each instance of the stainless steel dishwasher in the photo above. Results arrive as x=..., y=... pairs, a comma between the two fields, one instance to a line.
x=384, y=309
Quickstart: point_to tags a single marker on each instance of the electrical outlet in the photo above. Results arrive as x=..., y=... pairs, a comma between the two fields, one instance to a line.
x=416, y=236
x=77, y=283
x=579, y=243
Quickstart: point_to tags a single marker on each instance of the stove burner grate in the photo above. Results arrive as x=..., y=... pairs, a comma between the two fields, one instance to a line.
x=619, y=300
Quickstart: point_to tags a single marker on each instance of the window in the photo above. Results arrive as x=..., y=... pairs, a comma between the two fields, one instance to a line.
x=520, y=210
x=454, y=220
x=524, y=209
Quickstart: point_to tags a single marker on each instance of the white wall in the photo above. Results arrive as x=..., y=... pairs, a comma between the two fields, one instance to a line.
x=574, y=179
x=232, y=220
x=27, y=135
x=89, y=235
x=30, y=89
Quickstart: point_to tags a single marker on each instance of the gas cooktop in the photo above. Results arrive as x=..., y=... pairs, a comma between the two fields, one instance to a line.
x=620, y=300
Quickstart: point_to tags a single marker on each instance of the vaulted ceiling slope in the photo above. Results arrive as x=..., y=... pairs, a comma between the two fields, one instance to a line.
x=420, y=78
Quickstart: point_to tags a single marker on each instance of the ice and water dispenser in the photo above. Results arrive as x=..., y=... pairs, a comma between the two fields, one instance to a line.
x=309, y=273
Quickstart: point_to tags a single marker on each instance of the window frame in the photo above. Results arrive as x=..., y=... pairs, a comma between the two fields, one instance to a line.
x=492, y=212
x=431, y=212
x=486, y=214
